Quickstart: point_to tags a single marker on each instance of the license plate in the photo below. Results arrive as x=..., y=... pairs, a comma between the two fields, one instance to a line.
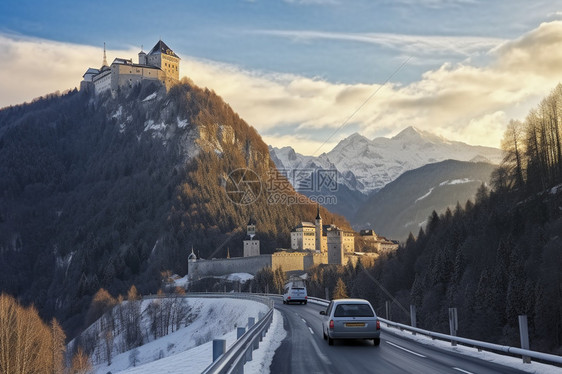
x=355, y=324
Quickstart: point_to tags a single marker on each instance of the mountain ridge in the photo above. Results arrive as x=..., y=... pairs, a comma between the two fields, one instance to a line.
x=375, y=163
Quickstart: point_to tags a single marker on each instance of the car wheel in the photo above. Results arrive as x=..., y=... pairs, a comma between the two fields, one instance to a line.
x=324, y=334
x=330, y=340
x=377, y=341
x=284, y=302
x=305, y=303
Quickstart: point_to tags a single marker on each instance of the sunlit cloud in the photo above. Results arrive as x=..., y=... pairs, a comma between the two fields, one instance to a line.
x=32, y=67
x=464, y=101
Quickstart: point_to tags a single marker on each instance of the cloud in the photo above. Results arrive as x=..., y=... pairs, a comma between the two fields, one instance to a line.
x=462, y=101
x=32, y=67
x=406, y=44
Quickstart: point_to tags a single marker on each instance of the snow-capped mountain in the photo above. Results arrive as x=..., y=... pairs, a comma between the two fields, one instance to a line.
x=366, y=165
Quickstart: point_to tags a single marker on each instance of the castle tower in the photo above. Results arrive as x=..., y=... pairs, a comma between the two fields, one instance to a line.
x=318, y=230
x=164, y=58
x=251, y=245
x=336, y=254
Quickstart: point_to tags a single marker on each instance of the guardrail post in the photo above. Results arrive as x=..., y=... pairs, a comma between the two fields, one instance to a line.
x=239, y=332
x=413, y=317
x=251, y=322
x=249, y=354
x=219, y=347
x=453, y=324
x=524, y=334
x=387, y=308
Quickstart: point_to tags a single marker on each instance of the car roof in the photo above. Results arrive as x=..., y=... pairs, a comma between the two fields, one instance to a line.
x=351, y=301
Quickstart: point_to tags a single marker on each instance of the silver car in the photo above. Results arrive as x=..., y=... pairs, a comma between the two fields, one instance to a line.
x=350, y=319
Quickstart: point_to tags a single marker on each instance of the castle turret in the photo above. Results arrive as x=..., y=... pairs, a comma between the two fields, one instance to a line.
x=142, y=58
x=318, y=229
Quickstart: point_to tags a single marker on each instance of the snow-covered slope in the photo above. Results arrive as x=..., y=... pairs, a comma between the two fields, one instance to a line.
x=368, y=165
x=205, y=319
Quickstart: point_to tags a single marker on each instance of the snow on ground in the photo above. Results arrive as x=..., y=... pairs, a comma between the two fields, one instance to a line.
x=241, y=277
x=426, y=195
x=213, y=318
x=456, y=181
x=180, y=281
x=182, y=123
x=199, y=358
x=512, y=362
x=263, y=356
x=151, y=125
x=152, y=96
x=554, y=190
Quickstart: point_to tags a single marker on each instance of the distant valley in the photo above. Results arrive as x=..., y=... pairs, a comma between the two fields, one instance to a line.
x=364, y=167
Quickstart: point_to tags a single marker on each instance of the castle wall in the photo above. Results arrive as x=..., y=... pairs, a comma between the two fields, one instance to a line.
x=102, y=82
x=223, y=266
x=129, y=75
x=314, y=259
x=288, y=261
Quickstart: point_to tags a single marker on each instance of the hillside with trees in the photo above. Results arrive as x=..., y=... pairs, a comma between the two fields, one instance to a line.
x=494, y=259
x=106, y=192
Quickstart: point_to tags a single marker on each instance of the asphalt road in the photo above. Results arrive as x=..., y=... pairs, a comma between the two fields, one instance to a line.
x=305, y=351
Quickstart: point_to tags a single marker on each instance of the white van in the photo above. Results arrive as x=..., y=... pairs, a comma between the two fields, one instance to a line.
x=295, y=291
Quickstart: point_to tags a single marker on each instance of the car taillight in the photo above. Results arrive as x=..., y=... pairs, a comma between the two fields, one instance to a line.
x=306, y=297
x=378, y=325
x=331, y=323
x=288, y=297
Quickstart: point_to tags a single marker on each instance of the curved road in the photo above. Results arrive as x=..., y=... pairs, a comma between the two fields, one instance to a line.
x=305, y=351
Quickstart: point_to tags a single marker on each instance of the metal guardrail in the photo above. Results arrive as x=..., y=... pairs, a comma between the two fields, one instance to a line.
x=469, y=342
x=478, y=344
x=233, y=360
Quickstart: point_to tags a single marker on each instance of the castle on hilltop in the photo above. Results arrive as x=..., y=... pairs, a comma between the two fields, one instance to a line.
x=161, y=64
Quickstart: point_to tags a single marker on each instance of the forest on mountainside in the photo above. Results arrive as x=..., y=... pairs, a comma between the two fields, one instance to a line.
x=493, y=259
x=106, y=192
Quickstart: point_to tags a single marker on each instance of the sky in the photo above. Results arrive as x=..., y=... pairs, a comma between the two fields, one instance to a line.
x=308, y=73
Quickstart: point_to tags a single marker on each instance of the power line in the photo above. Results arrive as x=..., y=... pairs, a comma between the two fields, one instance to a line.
x=345, y=123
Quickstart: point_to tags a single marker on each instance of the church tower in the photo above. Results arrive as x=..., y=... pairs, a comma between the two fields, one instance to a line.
x=318, y=229
x=251, y=245
x=104, y=63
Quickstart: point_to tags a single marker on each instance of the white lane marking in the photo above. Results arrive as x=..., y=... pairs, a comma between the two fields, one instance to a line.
x=303, y=320
x=463, y=371
x=312, y=332
x=322, y=356
x=404, y=349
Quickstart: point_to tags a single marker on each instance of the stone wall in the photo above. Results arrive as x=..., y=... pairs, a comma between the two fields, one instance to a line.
x=223, y=266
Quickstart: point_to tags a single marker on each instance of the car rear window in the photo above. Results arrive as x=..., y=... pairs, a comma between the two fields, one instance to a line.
x=353, y=310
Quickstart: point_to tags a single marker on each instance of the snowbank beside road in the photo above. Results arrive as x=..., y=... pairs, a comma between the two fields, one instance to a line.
x=182, y=349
